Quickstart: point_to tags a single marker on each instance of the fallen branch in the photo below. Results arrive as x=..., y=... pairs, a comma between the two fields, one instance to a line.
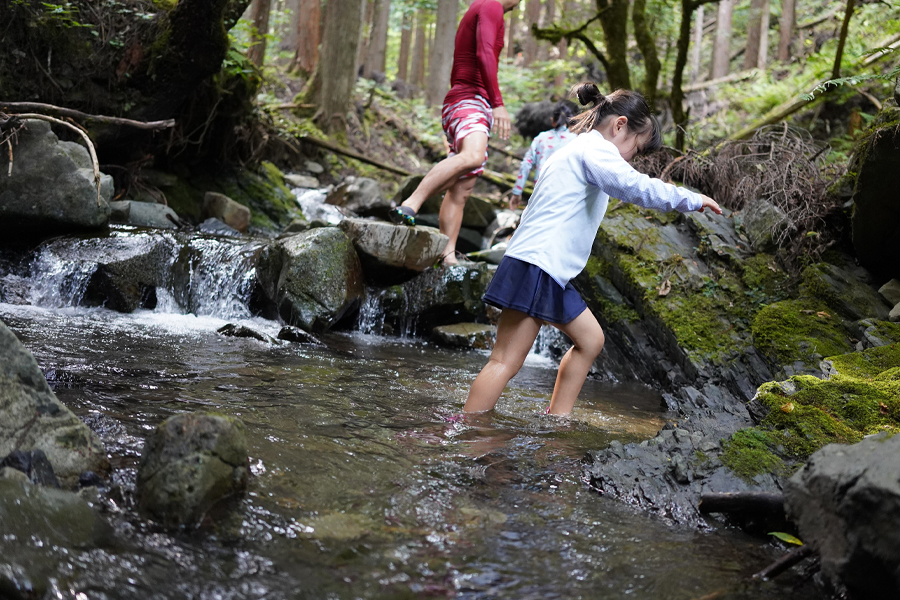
x=727, y=79
x=87, y=140
x=68, y=112
x=742, y=502
x=784, y=563
x=355, y=155
x=821, y=19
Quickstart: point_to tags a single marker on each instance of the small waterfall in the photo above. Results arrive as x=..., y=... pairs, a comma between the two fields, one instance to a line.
x=371, y=313
x=59, y=283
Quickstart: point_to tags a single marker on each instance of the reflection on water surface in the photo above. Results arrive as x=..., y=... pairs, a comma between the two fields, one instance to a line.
x=365, y=486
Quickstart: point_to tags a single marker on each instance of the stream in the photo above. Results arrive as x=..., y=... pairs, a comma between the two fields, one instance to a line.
x=364, y=485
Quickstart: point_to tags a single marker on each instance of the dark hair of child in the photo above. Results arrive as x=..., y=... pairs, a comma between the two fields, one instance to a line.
x=621, y=103
x=563, y=111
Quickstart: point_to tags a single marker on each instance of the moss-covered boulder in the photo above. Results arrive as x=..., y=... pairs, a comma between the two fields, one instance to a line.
x=876, y=211
x=797, y=417
x=191, y=463
x=314, y=278
x=845, y=290
x=32, y=418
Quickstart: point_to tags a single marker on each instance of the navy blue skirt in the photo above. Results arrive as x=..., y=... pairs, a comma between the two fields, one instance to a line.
x=527, y=288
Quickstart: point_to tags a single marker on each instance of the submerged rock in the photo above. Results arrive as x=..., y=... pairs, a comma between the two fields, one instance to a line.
x=51, y=189
x=232, y=330
x=31, y=417
x=314, y=278
x=846, y=503
x=391, y=253
x=297, y=335
x=465, y=335
x=34, y=465
x=191, y=463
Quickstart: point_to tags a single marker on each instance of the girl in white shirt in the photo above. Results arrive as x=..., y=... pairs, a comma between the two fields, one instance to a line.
x=553, y=241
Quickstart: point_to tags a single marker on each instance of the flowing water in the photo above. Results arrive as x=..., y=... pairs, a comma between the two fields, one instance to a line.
x=365, y=484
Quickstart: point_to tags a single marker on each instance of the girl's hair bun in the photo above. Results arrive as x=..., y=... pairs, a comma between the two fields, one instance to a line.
x=588, y=93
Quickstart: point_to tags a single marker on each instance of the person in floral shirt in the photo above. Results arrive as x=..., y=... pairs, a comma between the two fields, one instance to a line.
x=542, y=147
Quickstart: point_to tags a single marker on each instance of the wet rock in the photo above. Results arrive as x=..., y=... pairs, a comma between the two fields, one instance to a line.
x=301, y=181
x=51, y=189
x=31, y=418
x=90, y=479
x=228, y=211
x=314, y=278
x=845, y=291
x=891, y=292
x=876, y=212
x=894, y=315
x=312, y=203
x=501, y=227
x=14, y=474
x=191, y=463
x=408, y=186
x=143, y=214
x=764, y=222
x=232, y=330
x=313, y=167
x=297, y=335
x=35, y=519
x=120, y=272
x=491, y=256
x=297, y=226
x=465, y=335
x=213, y=226
x=14, y=289
x=440, y=296
x=389, y=253
x=34, y=465
x=477, y=213
x=846, y=503
x=361, y=196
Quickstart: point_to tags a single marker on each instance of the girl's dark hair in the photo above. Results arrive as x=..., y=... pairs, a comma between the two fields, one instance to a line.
x=622, y=103
x=563, y=111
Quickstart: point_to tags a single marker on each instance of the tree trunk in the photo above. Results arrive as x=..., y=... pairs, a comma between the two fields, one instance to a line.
x=763, y=54
x=682, y=45
x=308, y=27
x=511, y=35
x=530, y=45
x=418, y=59
x=259, y=14
x=442, y=52
x=289, y=39
x=339, y=53
x=568, y=9
x=405, y=39
x=549, y=17
x=786, y=33
x=721, y=52
x=754, y=32
x=696, y=43
x=614, y=22
x=647, y=45
x=377, y=51
x=365, y=32
x=842, y=39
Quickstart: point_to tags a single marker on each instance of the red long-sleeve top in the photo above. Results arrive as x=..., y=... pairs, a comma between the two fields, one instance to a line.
x=476, y=54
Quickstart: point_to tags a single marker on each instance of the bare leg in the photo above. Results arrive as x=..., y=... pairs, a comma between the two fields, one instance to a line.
x=450, y=219
x=448, y=171
x=516, y=332
x=587, y=336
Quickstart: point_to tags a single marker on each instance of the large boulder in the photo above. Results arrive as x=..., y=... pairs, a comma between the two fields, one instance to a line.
x=362, y=196
x=143, y=214
x=314, y=278
x=876, y=211
x=234, y=214
x=31, y=417
x=763, y=222
x=390, y=253
x=846, y=503
x=846, y=290
x=51, y=187
x=191, y=463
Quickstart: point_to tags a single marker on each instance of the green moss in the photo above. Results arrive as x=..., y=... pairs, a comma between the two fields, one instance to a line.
x=887, y=331
x=748, y=454
x=805, y=330
x=861, y=398
x=763, y=278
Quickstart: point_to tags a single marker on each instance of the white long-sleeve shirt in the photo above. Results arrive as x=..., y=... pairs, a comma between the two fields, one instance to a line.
x=570, y=198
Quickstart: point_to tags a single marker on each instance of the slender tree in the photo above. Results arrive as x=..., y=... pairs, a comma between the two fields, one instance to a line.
x=647, y=45
x=289, y=37
x=684, y=41
x=377, y=51
x=721, y=52
x=365, y=32
x=696, y=44
x=511, y=34
x=754, y=32
x=405, y=41
x=259, y=14
x=842, y=39
x=614, y=22
x=333, y=90
x=549, y=17
x=417, y=75
x=786, y=29
x=530, y=44
x=442, y=51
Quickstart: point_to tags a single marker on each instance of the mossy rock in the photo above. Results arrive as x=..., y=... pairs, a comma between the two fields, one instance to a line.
x=799, y=334
x=804, y=413
x=845, y=291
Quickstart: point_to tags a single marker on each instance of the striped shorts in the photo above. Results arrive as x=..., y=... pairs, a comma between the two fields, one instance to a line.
x=464, y=117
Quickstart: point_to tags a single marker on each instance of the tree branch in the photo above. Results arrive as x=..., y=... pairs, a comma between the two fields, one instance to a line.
x=75, y=114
